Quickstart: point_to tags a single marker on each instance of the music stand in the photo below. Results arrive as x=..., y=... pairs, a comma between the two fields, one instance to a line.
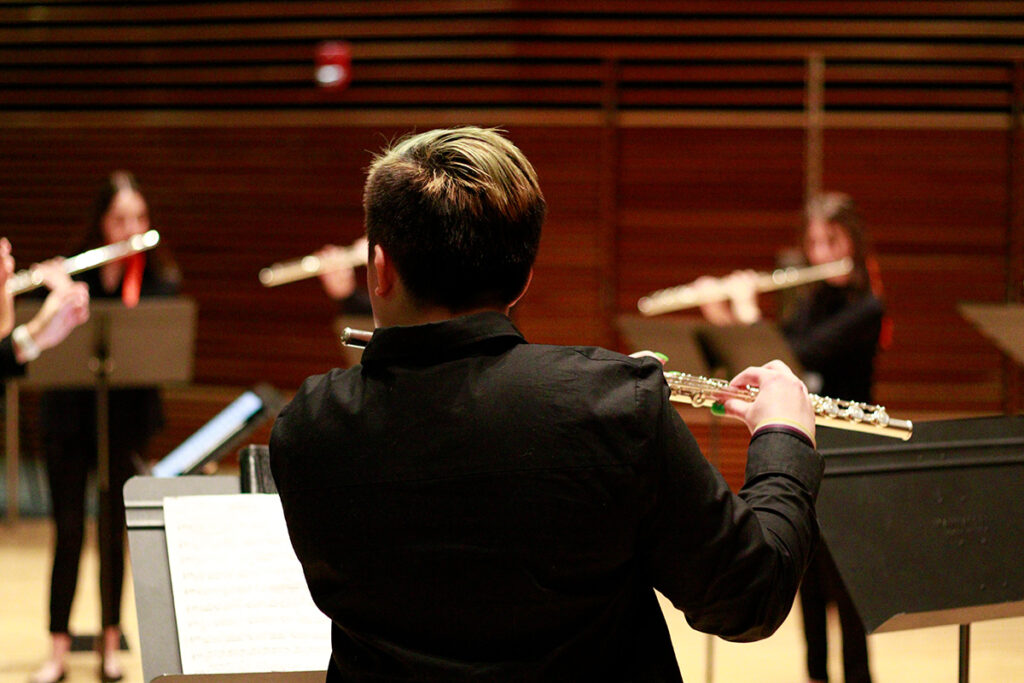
x=150, y=344
x=675, y=337
x=1003, y=324
x=159, y=640
x=923, y=531
x=737, y=347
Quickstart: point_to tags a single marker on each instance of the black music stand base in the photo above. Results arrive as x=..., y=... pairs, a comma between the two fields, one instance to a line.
x=965, y=652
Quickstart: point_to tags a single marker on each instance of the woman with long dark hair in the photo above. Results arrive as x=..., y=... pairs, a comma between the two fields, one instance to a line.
x=69, y=429
x=835, y=332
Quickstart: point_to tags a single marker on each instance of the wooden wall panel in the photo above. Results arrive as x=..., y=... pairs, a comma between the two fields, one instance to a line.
x=936, y=204
x=669, y=139
x=230, y=201
x=704, y=202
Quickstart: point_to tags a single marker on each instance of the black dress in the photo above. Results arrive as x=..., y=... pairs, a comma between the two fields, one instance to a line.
x=834, y=333
x=69, y=432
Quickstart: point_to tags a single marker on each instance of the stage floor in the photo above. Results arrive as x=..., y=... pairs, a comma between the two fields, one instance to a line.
x=997, y=647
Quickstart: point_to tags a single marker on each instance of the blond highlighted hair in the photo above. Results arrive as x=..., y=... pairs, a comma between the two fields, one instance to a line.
x=460, y=212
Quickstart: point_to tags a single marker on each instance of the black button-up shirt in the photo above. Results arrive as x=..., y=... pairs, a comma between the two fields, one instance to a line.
x=469, y=506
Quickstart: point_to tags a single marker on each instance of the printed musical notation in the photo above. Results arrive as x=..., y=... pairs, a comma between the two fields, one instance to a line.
x=240, y=598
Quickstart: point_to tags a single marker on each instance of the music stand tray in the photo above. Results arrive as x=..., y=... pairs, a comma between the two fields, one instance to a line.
x=924, y=533
x=737, y=347
x=1003, y=324
x=150, y=344
x=674, y=337
x=151, y=574
x=159, y=644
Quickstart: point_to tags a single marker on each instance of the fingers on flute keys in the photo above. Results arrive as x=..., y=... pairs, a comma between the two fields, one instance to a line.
x=781, y=397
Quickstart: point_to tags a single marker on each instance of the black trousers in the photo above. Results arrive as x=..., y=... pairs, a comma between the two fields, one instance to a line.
x=69, y=458
x=822, y=585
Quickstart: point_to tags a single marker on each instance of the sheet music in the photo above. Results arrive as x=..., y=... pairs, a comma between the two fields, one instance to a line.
x=240, y=598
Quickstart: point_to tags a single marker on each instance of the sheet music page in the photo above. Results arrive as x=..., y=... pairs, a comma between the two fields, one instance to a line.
x=240, y=598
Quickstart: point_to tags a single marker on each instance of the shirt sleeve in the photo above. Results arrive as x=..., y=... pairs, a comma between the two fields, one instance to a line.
x=8, y=363
x=731, y=563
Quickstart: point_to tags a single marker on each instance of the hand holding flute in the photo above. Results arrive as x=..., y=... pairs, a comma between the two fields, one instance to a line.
x=781, y=399
x=730, y=300
x=324, y=263
x=66, y=307
x=340, y=283
x=708, y=290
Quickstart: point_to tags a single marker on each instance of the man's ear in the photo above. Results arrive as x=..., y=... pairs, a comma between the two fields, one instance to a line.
x=385, y=270
x=529, y=279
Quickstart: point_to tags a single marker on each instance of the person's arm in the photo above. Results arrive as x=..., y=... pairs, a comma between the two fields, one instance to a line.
x=740, y=306
x=732, y=563
x=9, y=365
x=65, y=308
x=6, y=298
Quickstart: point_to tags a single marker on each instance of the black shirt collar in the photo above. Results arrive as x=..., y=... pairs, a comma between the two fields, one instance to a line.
x=432, y=342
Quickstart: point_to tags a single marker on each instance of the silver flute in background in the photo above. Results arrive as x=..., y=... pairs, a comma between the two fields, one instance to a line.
x=29, y=279
x=828, y=412
x=689, y=296
x=710, y=392
x=310, y=266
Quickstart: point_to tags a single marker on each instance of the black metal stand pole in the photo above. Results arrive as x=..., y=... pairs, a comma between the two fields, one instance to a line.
x=965, y=652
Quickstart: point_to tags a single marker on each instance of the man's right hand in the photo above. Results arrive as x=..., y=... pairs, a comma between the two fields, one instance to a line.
x=781, y=399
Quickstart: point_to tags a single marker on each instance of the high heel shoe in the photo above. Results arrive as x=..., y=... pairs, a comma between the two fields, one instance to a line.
x=110, y=665
x=108, y=673
x=49, y=673
x=110, y=669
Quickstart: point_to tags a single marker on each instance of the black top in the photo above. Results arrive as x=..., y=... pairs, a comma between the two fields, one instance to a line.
x=9, y=365
x=467, y=506
x=834, y=333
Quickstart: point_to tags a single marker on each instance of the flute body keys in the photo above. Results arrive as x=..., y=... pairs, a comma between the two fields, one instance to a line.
x=707, y=392
x=828, y=412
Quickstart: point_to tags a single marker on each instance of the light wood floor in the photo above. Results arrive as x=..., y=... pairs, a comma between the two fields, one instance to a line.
x=926, y=655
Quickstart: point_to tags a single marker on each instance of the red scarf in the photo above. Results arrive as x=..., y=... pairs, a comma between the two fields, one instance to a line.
x=131, y=285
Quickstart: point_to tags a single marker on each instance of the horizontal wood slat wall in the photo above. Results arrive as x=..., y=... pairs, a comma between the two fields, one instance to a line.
x=669, y=137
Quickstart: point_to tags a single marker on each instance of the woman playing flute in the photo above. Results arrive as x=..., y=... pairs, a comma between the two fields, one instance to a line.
x=835, y=332
x=69, y=429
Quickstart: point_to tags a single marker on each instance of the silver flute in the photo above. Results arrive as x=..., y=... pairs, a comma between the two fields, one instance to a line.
x=689, y=295
x=29, y=279
x=828, y=412
x=312, y=265
x=710, y=392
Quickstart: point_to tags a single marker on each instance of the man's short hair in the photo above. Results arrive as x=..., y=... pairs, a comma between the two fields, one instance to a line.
x=459, y=211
